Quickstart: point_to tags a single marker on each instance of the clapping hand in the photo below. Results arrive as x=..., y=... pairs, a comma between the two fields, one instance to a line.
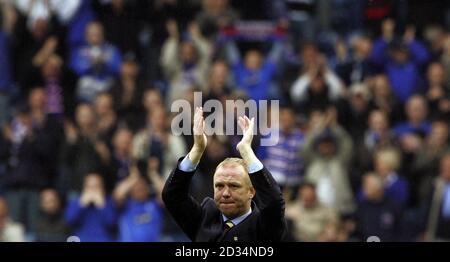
x=200, y=139
x=247, y=126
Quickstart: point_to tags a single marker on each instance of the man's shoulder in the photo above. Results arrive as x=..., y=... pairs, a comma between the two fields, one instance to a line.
x=210, y=211
x=208, y=203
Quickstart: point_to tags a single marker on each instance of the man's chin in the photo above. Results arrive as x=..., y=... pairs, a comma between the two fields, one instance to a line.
x=228, y=210
x=230, y=215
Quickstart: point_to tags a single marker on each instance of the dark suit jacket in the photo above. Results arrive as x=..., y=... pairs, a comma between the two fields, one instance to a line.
x=203, y=222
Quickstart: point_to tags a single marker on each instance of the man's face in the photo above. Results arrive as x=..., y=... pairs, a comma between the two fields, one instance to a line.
x=232, y=191
x=85, y=115
x=372, y=187
x=363, y=46
x=253, y=60
x=129, y=70
x=327, y=148
x=103, y=104
x=400, y=56
x=122, y=141
x=158, y=118
x=308, y=197
x=416, y=109
x=37, y=98
x=436, y=73
x=151, y=99
x=94, y=34
x=52, y=67
x=309, y=54
x=378, y=122
x=439, y=133
x=219, y=74
x=140, y=191
x=318, y=85
x=50, y=202
x=93, y=183
x=187, y=52
x=381, y=87
x=358, y=102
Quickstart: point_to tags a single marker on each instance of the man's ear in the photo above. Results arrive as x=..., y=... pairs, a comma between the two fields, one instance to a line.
x=252, y=192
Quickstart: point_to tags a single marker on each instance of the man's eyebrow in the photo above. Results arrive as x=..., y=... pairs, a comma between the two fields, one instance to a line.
x=229, y=183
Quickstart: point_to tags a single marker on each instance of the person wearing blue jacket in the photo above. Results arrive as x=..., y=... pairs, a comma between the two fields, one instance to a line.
x=401, y=61
x=140, y=214
x=255, y=74
x=378, y=214
x=96, y=63
x=416, y=111
x=396, y=187
x=92, y=215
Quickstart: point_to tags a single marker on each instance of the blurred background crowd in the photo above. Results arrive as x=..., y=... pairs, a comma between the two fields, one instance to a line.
x=86, y=88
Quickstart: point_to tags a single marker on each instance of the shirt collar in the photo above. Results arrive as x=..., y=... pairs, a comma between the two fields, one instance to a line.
x=238, y=220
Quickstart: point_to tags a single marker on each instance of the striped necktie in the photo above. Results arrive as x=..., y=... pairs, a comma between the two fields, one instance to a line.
x=228, y=225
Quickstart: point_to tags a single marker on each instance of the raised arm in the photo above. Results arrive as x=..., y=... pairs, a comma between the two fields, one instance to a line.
x=244, y=147
x=202, y=44
x=200, y=140
x=169, y=60
x=276, y=53
x=268, y=194
x=155, y=178
x=232, y=53
x=122, y=190
x=182, y=206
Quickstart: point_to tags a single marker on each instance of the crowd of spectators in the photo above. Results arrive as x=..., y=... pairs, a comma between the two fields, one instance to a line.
x=86, y=88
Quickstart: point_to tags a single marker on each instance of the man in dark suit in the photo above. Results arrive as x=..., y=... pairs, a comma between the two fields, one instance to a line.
x=232, y=215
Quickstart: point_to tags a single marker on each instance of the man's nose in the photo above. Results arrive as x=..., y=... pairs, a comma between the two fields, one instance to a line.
x=226, y=192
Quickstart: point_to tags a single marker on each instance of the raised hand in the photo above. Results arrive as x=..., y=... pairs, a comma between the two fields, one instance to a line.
x=134, y=174
x=247, y=126
x=410, y=34
x=388, y=29
x=85, y=199
x=99, y=200
x=194, y=30
x=172, y=28
x=198, y=129
x=124, y=187
x=245, y=145
x=200, y=140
